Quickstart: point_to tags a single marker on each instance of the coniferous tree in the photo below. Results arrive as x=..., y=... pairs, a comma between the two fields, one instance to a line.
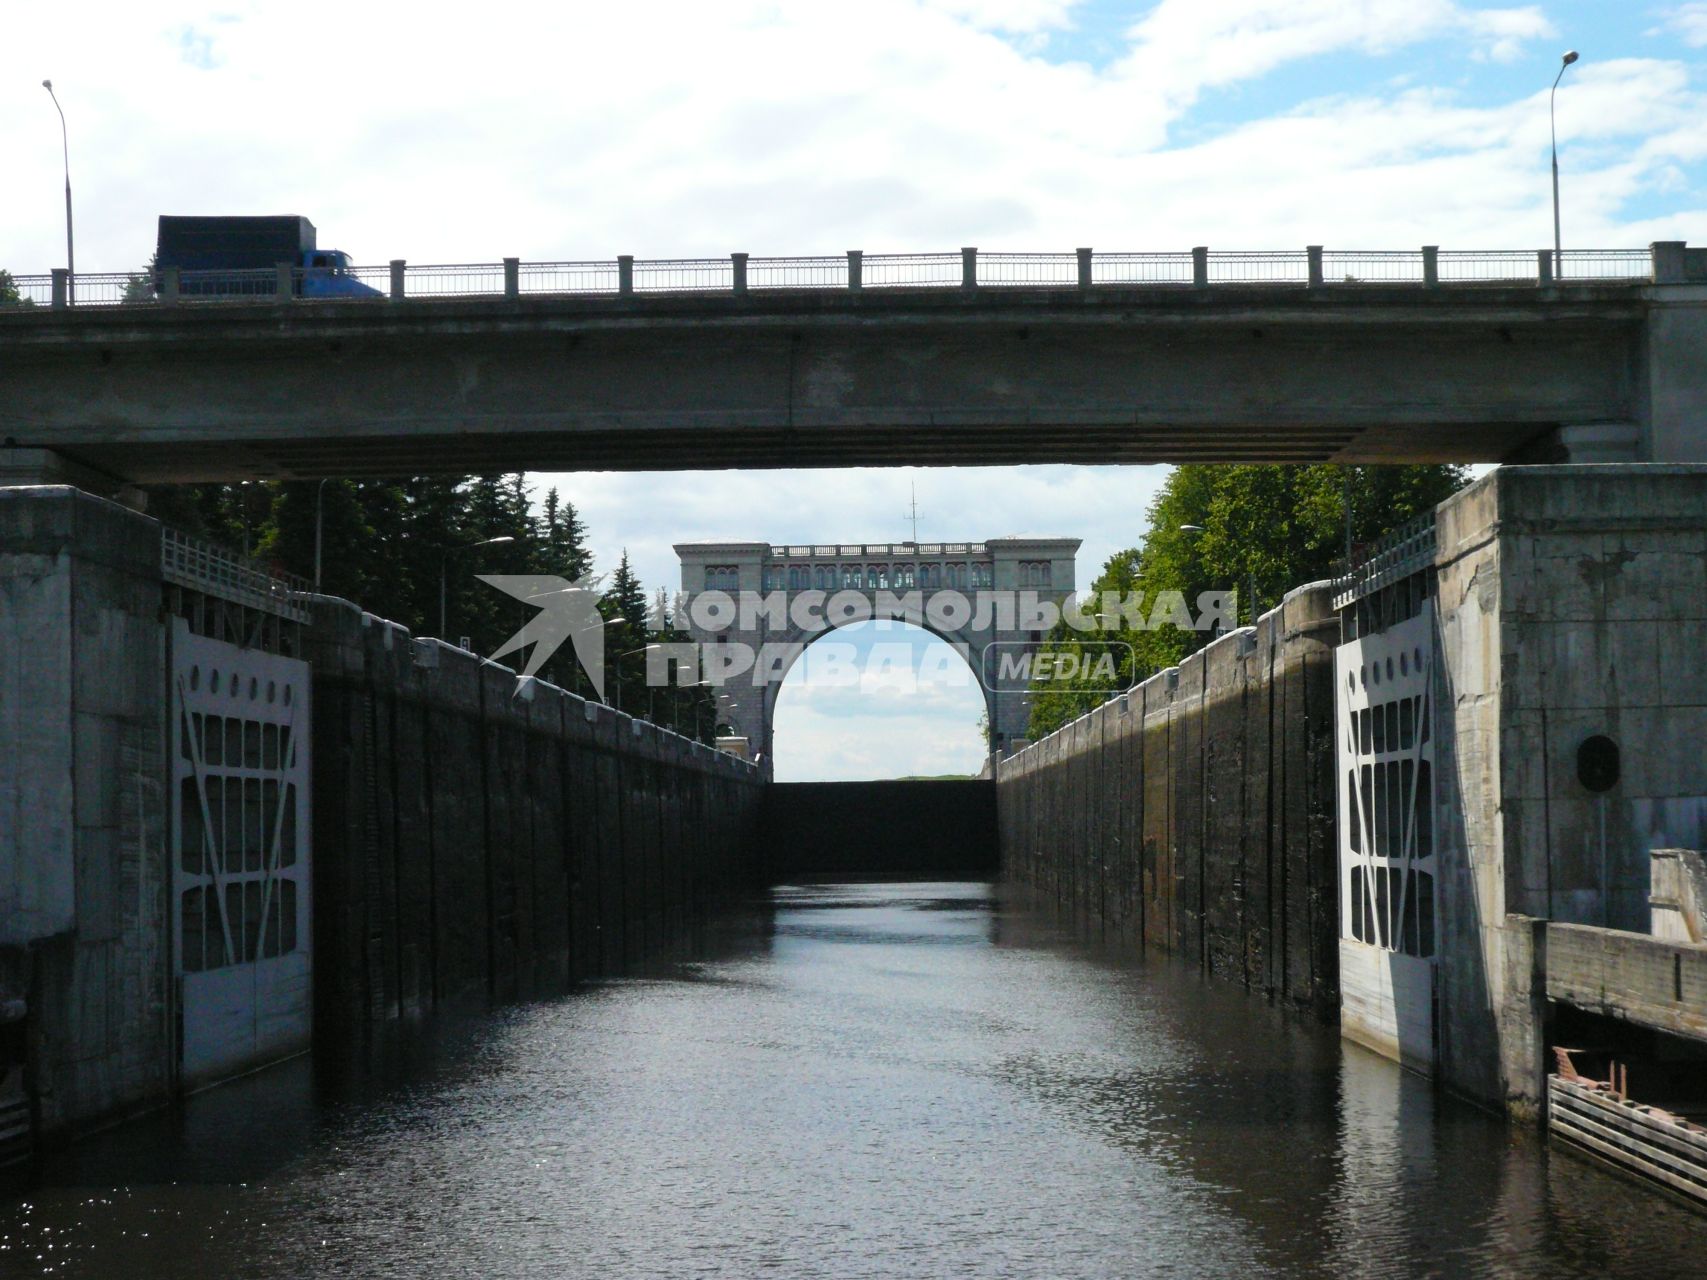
x=624, y=606
x=384, y=544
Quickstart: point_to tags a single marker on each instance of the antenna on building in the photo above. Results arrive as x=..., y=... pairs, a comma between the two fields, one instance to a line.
x=913, y=513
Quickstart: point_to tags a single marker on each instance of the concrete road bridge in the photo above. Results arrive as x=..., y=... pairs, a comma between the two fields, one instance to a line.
x=966, y=358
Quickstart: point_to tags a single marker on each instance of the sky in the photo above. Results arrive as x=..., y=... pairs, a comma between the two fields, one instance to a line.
x=576, y=131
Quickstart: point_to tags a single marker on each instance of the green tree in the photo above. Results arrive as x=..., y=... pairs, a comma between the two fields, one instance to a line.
x=139, y=285
x=623, y=605
x=10, y=295
x=1258, y=531
x=385, y=543
x=564, y=537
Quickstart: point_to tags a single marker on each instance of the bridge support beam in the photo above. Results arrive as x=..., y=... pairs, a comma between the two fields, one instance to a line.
x=1672, y=391
x=1601, y=442
x=20, y=466
x=23, y=467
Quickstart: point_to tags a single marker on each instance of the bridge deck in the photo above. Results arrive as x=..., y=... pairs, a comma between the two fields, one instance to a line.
x=1353, y=373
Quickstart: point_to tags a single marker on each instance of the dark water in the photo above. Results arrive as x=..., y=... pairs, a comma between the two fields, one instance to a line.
x=885, y=1080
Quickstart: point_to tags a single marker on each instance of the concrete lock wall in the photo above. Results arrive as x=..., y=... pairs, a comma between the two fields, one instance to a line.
x=1572, y=605
x=1193, y=815
x=469, y=841
x=478, y=838
x=84, y=905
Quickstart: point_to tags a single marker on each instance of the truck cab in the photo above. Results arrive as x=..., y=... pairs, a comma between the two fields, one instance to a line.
x=326, y=274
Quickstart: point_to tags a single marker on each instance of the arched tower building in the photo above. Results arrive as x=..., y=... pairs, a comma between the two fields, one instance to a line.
x=994, y=577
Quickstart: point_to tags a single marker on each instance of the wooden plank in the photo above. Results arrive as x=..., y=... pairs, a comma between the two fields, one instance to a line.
x=1654, y=1118
x=1576, y=1123
x=1620, y=1156
x=1644, y=1116
x=1694, y=1151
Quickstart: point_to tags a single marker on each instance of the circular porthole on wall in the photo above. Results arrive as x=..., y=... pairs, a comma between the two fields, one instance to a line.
x=1597, y=763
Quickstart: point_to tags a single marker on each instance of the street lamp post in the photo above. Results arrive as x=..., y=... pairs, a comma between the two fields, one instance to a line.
x=444, y=574
x=1553, y=128
x=65, y=147
x=319, y=502
x=616, y=684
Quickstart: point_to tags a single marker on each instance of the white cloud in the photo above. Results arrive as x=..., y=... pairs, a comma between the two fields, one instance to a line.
x=1688, y=21
x=1183, y=47
x=648, y=512
x=667, y=128
x=912, y=710
x=1017, y=16
x=1505, y=33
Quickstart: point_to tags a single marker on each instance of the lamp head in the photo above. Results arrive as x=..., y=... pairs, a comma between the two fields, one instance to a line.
x=1570, y=57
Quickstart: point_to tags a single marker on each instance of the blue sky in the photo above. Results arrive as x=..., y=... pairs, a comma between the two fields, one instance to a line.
x=666, y=128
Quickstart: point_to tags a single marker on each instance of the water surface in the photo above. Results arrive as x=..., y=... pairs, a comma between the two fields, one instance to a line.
x=876, y=1080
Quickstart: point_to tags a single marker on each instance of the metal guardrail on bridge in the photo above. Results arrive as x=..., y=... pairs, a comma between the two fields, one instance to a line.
x=968, y=268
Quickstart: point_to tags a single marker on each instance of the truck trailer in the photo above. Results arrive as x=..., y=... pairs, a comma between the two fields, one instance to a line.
x=240, y=255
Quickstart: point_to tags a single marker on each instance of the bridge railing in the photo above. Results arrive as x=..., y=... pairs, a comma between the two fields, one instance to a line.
x=1058, y=270
x=912, y=270
x=967, y=268
x=1141, y=268
x=1406, y=550
x=216, y=571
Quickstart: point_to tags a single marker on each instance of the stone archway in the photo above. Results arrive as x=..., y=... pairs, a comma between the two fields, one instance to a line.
x=988, y=578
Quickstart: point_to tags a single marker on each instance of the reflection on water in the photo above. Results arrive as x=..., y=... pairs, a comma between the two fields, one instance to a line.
x=882, y=1080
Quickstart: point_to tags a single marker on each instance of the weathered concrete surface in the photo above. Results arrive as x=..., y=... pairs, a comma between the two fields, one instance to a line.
x=1194, y=814
x=903, y=376
x=84, y=905
x=1677, y=895
x=941, y=829
x=1651, y=981
x=470, y=841
x=1572, y=604
x=477, y=840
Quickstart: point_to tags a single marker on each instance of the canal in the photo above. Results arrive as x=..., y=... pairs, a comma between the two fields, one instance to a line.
x=855, y=1080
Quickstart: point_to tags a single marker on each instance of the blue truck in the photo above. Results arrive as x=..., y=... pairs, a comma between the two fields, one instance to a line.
x=227, y=256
